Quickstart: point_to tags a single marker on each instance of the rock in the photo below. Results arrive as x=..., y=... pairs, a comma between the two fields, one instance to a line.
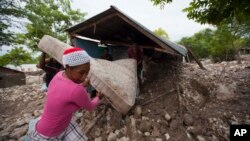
x=98, y=139
x=27, y=115
x=195, y=130
x=214, y=138
x=200, y=138
x=20, y=122
x=188, y=135
x=167, y=136
x=79, y=115
x=123, y=139
x=144, y=118
x=164, y=123
x=36, y=113
x=147, y=134
x=156, y=132
x=188, y=119
x=167, y=117
x=112, y=137
x=19, y=132
x=108, y=115
x=97, y=132
x=174, y=125
x=4, y=135
x=118, y=133
x=138, y=111
x=158, y=139
x=145, y=126
x=224, y=92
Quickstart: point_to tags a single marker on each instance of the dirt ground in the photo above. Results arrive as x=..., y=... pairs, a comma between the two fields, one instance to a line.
x=178, y=102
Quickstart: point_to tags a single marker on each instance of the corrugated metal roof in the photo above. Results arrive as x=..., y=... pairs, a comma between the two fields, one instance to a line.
x=113, y=25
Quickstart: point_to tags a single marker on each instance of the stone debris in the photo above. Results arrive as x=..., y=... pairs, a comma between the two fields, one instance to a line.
x=210, y=100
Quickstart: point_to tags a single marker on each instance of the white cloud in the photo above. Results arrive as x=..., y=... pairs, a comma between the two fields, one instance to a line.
x=171, y=18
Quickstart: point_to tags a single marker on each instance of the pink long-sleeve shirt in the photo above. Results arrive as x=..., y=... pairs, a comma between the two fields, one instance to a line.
x=64, y=97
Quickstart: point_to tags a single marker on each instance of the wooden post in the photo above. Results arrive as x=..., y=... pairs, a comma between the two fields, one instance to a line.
x=195, y=58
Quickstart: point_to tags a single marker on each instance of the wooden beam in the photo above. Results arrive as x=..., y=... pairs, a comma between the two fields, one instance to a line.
x=146, y=47
x=126, y=44
x=165, y=51
x=160, y=43
x=195, y=58
x=92, y=24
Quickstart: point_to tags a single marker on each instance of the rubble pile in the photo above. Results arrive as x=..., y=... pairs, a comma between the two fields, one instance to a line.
x=177, y=102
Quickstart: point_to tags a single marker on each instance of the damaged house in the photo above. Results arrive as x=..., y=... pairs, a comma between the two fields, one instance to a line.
x=10, y=77
x=115, y=31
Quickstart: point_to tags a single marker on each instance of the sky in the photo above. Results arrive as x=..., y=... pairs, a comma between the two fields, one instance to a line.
x=171, y=18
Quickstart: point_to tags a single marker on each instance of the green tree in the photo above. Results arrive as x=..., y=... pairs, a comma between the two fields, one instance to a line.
x=217, y=11
x=226, y=43
x=232, y=19
x=161, y=32
x=161, y=2
x=16, y=56
x=49, y=17
x=199, y=42
x=214, y=11
x=9, y=10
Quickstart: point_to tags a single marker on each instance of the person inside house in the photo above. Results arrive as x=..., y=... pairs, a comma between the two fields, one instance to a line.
x=66, y=94
x=50, y=66
x=106, y=55
x=136, y=52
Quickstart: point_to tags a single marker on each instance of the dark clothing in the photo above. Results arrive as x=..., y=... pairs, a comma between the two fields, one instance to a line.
x=49, y=75
x=135, y=53
x=107, y=57
x=139, y=69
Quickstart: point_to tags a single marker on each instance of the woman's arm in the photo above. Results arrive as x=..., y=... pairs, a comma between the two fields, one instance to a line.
x=43, y=64
x=83, y=100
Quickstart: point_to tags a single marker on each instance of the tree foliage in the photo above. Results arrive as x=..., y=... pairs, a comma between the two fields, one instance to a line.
x=215, y=11
x=161, y=2
x=161, y=32
x=219, y=44
x=232, y=19
x=49, y=17
x=199, y=42
x=16, y=56
x=9, y=10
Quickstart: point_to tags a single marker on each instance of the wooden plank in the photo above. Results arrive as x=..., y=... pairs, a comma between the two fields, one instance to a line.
x=160, y=43
x=126, y=44
x=196, y=60
x=165, y=51
x=92, y=24
x=130, y=44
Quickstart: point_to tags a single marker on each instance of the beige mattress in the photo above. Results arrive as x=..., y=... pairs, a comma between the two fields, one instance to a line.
x=53, y=47
x=117, y=80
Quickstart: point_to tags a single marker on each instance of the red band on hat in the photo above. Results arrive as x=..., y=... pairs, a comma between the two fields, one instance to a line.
x=70, y=50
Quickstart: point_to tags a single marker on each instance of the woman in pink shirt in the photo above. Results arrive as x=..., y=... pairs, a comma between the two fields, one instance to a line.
x=66, y=94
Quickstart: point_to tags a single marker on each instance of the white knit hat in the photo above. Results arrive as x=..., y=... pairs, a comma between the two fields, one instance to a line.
x=75, y=56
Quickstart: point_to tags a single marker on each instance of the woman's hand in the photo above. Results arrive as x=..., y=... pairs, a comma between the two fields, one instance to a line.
x=99, y=94
x=86, y=82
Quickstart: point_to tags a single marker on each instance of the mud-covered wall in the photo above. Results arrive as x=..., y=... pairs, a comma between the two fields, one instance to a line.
x=10, y=78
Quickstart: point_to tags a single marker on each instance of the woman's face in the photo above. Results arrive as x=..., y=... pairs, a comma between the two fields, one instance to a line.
x=78, y=73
